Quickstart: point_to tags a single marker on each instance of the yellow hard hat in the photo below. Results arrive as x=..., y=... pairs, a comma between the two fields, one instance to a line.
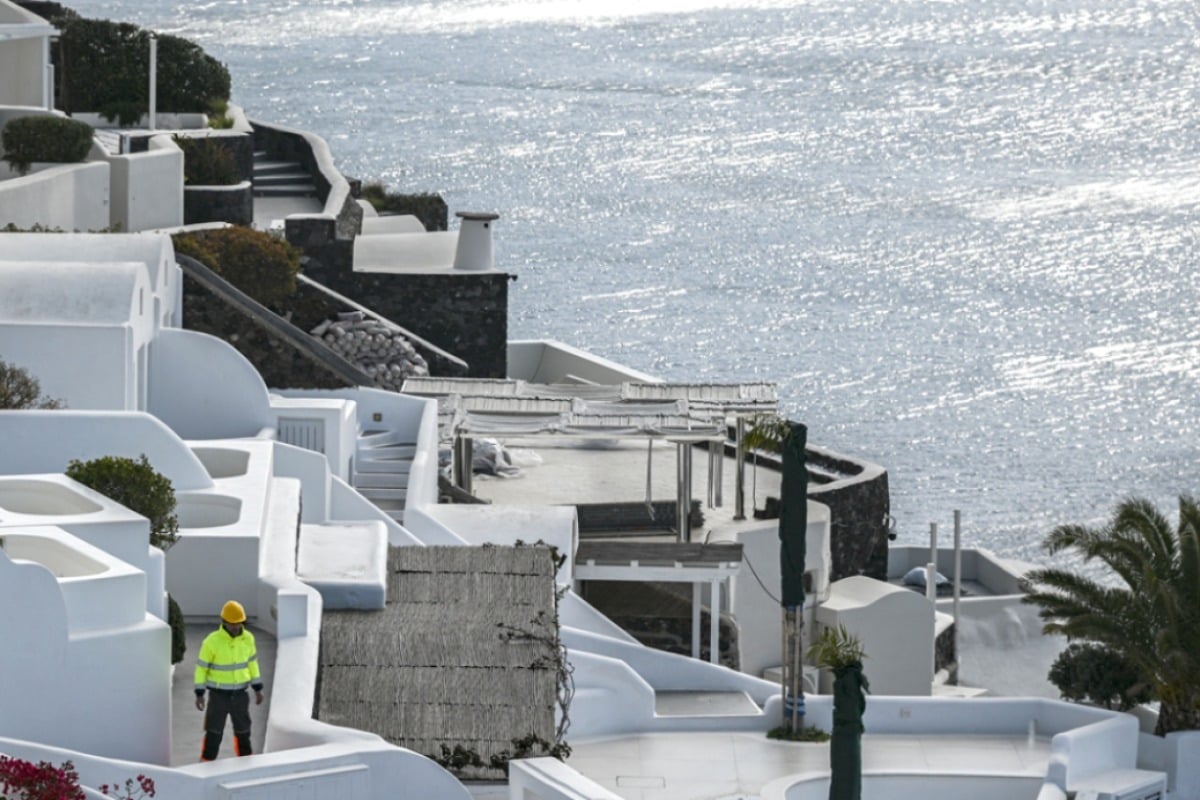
x=232, y=612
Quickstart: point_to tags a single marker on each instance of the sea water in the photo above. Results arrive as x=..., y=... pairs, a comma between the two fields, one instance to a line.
x=960, y=235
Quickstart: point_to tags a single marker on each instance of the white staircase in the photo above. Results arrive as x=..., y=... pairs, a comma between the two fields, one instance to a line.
x=381, y=467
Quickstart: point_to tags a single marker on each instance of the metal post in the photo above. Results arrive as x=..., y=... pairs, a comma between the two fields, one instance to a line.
x=797, y=669
x=739, y=492
x=153, y=81
x=931, y=567
x=696, y=620
x=719, y=470
x=933, y=544
x=714, y=622
x=683, y=491
x=957, y=581
x=48, y=89
x=783, y=668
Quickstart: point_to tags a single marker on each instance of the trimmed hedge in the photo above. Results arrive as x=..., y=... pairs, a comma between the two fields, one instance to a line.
x=178, y=630
x=45, y=138
x=261, y=265
x=137, y=486
x=106, y=68
x=206, y=162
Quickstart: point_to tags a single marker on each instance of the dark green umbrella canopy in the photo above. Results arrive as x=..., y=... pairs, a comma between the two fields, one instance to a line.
x=845, y=746
x=793, y=515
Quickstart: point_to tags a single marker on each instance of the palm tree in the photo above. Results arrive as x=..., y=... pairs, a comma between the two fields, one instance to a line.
x=1150, y=614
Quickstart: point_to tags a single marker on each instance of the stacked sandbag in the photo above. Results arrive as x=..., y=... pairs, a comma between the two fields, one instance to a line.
x=377, y=349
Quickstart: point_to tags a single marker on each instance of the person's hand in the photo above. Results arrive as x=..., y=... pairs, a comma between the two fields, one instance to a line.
x=200, y=702
x=258, y=698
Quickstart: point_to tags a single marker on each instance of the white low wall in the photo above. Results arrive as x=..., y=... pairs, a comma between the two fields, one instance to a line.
x=147, y=188
x=73, y=197
x=550, y=779
x=122, y=707
x=347, y=504
x=756, y=612
x=548, y=361
x=44, y=441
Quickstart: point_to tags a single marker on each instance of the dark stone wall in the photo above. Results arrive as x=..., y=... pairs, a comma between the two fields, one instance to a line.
x=463, y=313
x=233, y=204
x=944, y=656
x=859, y=508
x=858, y=512
x=281, y=365
x=627, y=517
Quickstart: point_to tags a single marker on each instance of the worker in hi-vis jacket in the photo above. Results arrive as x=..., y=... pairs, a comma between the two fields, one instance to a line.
x=226, y=667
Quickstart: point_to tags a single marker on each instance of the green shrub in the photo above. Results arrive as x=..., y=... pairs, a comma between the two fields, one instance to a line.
x=178, y=630
x=836, y=648
x=138, y=487
x=430, y=209
x=218, y=115
x=1091, y=673
x=106, y=68
x=206, y=162
x=45, y=138
x=261, y=265
x=19, y=389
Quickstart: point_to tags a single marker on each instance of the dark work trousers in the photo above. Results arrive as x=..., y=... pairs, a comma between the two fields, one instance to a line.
x=222, y=704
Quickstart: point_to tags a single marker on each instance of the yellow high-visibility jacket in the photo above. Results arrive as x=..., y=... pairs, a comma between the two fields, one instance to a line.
x=227, y=662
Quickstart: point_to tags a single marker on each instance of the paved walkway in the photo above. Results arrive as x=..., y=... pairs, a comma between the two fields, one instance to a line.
x=739, y=765
x=187, y=723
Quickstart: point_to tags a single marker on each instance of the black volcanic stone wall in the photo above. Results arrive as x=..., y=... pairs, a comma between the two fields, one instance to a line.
x=858, y=511
x=627, y=517
x=233, y=204
x=281, y=365
x=944, y=656
x=465, y=314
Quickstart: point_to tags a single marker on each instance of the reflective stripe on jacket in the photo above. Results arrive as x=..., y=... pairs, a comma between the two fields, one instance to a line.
x=227, y=662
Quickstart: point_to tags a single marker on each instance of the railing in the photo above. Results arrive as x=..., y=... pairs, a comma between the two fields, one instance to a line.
x=273, y=323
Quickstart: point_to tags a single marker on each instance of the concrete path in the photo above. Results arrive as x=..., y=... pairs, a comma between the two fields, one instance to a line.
x=187, y=723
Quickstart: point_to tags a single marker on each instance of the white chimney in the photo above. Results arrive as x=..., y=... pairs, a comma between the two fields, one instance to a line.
x=474, y=250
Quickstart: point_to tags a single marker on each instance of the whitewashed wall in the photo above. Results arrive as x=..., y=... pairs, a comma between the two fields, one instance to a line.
x=44, y=441
x=204, y=389
x=756, y=611
x=895, y=627
x=147, y=188
x=106, y=694
x=86, y=366
x=23, y=72
x=112, y=528
x=548, y=361
x=73, y=197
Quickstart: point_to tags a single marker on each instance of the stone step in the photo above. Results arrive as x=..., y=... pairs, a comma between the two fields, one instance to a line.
x=373, y=438
x=367, y=481
x=273, y=167
x=275, y=178
x=383, y=493
x=286, y=190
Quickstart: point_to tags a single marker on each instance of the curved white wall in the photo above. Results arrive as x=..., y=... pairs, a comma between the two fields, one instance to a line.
x=204, y=389
x=44, y=441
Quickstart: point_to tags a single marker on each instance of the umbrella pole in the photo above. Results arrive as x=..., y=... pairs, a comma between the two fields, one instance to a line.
x=796, y=669
x=783, y=670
